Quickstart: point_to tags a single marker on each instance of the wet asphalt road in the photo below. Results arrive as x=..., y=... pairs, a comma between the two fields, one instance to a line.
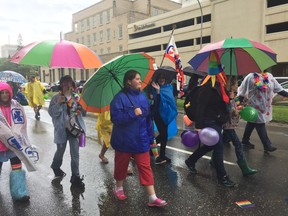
x=186, y=194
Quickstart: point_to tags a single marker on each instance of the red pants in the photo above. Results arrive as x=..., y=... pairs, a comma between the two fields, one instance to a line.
x=142, y=160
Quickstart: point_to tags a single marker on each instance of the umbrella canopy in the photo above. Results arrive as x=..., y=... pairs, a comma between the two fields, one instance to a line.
x=189, y=71
x=107, y=81
x=239, y=56
x=57, y=54
x=168, y=72
x=12, y=76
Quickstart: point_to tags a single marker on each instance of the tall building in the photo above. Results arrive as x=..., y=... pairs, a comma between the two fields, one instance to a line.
x=262, y=21
x=103, y=28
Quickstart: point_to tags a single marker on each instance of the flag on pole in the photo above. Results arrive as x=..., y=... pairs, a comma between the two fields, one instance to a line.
x=173, y=54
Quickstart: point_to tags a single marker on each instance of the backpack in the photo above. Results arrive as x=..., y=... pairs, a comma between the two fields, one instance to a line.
x=190, y=104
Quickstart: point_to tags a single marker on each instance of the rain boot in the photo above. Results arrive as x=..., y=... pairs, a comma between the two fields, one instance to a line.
x=18, y=186
x=246, y=170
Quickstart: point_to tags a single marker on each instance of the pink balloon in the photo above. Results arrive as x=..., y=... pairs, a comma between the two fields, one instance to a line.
x=190, y=138
x=209, y=136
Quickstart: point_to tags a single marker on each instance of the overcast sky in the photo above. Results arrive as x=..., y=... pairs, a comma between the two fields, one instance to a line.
x=37, y=19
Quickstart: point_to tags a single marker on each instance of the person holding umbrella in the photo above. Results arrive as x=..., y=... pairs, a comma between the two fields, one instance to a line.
x=164, y=112
x=259, y=88
x=132, y=136
x=35, y=94
x=211, y=111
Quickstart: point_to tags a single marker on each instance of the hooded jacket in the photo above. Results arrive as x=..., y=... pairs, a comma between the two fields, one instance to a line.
x=131, y=133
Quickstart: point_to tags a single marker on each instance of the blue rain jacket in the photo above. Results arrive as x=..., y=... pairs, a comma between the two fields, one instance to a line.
x=131, y=133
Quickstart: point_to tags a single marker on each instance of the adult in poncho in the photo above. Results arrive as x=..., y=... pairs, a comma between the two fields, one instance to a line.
x=164, y=112
x=259, y=89
x=34, y=92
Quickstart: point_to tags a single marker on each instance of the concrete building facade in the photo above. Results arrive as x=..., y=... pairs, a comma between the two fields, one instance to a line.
x=103, y=28
x=8, y=50
x=264, y=21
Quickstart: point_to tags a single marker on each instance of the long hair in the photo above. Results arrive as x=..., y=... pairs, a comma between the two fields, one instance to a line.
x=129, y=75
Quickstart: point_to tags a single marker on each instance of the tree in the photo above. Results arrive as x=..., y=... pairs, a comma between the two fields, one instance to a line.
x=25, y=70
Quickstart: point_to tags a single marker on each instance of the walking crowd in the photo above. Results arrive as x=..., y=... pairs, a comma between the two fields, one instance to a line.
x=129, y=125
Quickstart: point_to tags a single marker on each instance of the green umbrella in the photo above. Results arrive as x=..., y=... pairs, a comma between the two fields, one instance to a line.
x=107, y=81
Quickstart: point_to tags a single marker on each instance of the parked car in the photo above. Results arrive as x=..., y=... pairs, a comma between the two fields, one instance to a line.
x=55, y=87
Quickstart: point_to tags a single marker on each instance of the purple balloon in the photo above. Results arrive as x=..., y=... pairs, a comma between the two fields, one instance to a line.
x=190, y=139
x=209, y=136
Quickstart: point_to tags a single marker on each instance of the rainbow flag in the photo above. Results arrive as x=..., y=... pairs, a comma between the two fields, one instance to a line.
x=245, y=204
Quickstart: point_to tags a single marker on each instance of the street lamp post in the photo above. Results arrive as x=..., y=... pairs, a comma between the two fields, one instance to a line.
x=201, y=30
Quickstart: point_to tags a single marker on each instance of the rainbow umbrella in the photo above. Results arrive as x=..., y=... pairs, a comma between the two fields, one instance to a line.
x=107, y=81
x=239, y=56
x=57, y=54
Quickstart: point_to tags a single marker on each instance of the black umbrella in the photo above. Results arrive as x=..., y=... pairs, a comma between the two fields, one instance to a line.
x=168, y=72
x=189, y=71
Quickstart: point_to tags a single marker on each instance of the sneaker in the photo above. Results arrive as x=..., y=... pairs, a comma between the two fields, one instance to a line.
x=59, y=173
x=158, y=203
x=191, y=167
x=160, y=160
x=226, y=181
x=76, y=181
x=23, y=199
x=120, y=194
x=248, y=145
x=270, y=149
x=37, y=116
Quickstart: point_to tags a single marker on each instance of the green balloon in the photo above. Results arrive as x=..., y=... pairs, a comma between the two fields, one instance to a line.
x=249, y=114
x=46, y=97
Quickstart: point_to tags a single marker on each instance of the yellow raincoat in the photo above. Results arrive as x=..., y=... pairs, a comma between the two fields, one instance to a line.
x=34, y=93
x=104, y=128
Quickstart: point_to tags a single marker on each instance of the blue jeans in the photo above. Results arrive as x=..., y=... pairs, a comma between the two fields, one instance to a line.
x=74, y=153
x=217, y=151
x=231, y=134
x=262, y=133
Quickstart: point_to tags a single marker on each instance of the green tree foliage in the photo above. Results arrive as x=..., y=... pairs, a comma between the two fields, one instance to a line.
x=25, y=70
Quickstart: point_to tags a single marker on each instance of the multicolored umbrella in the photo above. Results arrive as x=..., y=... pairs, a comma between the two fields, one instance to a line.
x=107, y=81
x=238, y=55
x=57, y=54
x=12, y=76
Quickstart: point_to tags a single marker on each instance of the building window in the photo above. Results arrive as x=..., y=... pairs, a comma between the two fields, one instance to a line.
x=120, y=48
x=108, y=34
x=82, y=40
x=101, y=36
x=205, y=40
x=145, y=33
x=94, y=20
x=74, y=74
x=77, y=40
x=76, y=27
x=100, y=19
x=147, y=49
x=82, y=25
x=206, y=18
x=181, y=24
x=94, y=38
x=82, y=74
x=109, y=50
x=273, y=3
x=101, y=51
x=277, y=27
x=88, y=23
x=108, y=16
x=86, y=74
x=88, y=40
x=120, y=31
x=70, y=71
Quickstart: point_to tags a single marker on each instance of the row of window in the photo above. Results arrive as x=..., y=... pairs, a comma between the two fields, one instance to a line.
x=92, y=21
x=104, y=36
x=184, y=43
x=84, y=74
